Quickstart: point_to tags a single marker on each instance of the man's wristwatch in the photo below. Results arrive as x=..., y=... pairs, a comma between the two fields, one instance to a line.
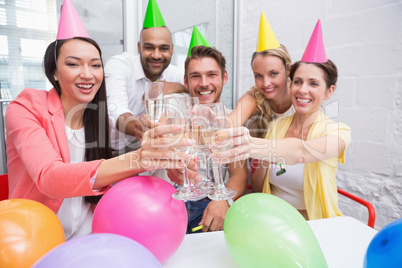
x=230, y=202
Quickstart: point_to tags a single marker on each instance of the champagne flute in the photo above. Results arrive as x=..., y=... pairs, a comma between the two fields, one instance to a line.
x=217, y=121
x=178, y=111
x=203, y=115
x=154, y=108
x=154, y=90
x=154, y=101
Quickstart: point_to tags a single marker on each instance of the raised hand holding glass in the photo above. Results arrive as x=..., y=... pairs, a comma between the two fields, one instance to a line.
x=214, y=114
x=179, y=111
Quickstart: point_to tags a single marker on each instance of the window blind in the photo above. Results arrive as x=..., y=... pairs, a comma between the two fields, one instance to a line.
x=26, y=28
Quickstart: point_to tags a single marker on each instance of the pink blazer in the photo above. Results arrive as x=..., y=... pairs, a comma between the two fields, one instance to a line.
x=38, y=158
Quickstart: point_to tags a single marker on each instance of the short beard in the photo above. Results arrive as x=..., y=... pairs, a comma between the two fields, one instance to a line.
x=149, y=71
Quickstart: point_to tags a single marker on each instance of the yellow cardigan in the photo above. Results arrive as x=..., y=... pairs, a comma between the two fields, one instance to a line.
x=319, y=184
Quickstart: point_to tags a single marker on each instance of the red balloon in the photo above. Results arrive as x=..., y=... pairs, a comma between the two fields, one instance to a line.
x=142, y=208
x=28, y=230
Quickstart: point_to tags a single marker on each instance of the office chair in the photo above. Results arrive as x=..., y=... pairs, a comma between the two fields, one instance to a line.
x=368, y=205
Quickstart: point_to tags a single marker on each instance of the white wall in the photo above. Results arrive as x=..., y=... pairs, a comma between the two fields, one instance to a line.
x=364, y=39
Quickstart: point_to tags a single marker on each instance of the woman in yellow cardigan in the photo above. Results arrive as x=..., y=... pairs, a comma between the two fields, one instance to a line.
x=299, y=156
x=308, y=145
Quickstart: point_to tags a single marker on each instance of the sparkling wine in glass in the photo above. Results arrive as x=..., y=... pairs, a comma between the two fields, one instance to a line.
x=201, y=121
x=154, y=108
x=217, y=121
x=178, y=111
x=153, y=98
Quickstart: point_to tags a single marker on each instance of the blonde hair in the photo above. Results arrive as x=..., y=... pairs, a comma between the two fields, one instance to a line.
x=258, y=123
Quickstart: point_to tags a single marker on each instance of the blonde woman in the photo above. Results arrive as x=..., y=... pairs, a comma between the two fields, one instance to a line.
x=269, y=98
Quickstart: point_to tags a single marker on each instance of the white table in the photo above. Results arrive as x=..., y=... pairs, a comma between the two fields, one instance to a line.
x=343, y=240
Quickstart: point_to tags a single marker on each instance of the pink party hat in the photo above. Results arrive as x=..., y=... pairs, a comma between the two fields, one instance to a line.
x=266, y=37
x=315, y=50
x=70, y=24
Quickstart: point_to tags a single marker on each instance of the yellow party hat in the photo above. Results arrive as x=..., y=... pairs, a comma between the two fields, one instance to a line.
x=266, y=37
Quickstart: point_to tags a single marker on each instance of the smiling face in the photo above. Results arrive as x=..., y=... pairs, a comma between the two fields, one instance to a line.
x=79, y=72
x=155, y=49
x=270, y=76
x=309, y=89
x=205, y=80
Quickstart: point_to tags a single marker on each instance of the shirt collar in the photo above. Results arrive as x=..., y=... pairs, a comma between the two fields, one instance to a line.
x=77, y=134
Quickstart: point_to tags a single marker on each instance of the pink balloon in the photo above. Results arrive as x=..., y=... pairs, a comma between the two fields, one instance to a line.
x=142, y=208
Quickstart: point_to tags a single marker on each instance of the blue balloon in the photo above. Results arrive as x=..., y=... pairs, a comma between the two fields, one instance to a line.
x=385, y=249
x=98, y=251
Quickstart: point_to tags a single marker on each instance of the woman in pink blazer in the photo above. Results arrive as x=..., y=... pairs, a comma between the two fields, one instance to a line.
x=58, y=140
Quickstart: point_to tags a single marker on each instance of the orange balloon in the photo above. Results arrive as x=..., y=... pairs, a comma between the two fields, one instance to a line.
x=28, y=230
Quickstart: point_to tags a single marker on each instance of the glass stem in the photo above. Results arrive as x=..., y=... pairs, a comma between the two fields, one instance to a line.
x=219, y=181
x=186, y=181
x=207, y=171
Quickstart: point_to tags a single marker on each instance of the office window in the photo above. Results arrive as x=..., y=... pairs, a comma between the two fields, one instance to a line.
x=31, y=49
x=3, y=47
x=27, y=26
x=214, y=19
x=2, y=15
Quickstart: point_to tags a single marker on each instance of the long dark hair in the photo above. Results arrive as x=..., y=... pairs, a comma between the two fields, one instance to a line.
x=96, y=119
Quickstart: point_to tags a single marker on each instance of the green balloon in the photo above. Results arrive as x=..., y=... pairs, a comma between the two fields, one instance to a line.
x=262, y=230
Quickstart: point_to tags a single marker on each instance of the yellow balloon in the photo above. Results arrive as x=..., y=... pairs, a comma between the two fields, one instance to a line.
x=28, y=230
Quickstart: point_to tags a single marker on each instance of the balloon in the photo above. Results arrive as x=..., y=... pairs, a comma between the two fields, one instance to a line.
x=28, y=229
x=98, y=251
x=385, y=248
x=142, y=208
x=262, y=230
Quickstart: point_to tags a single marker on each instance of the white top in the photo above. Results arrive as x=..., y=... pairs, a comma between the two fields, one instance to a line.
x=289, y=112
x=74, y=214
x=125, y=86
x=289, y=185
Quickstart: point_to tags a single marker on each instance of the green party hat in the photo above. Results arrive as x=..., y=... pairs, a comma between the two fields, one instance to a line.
x=153, y=16
x=197, y=40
